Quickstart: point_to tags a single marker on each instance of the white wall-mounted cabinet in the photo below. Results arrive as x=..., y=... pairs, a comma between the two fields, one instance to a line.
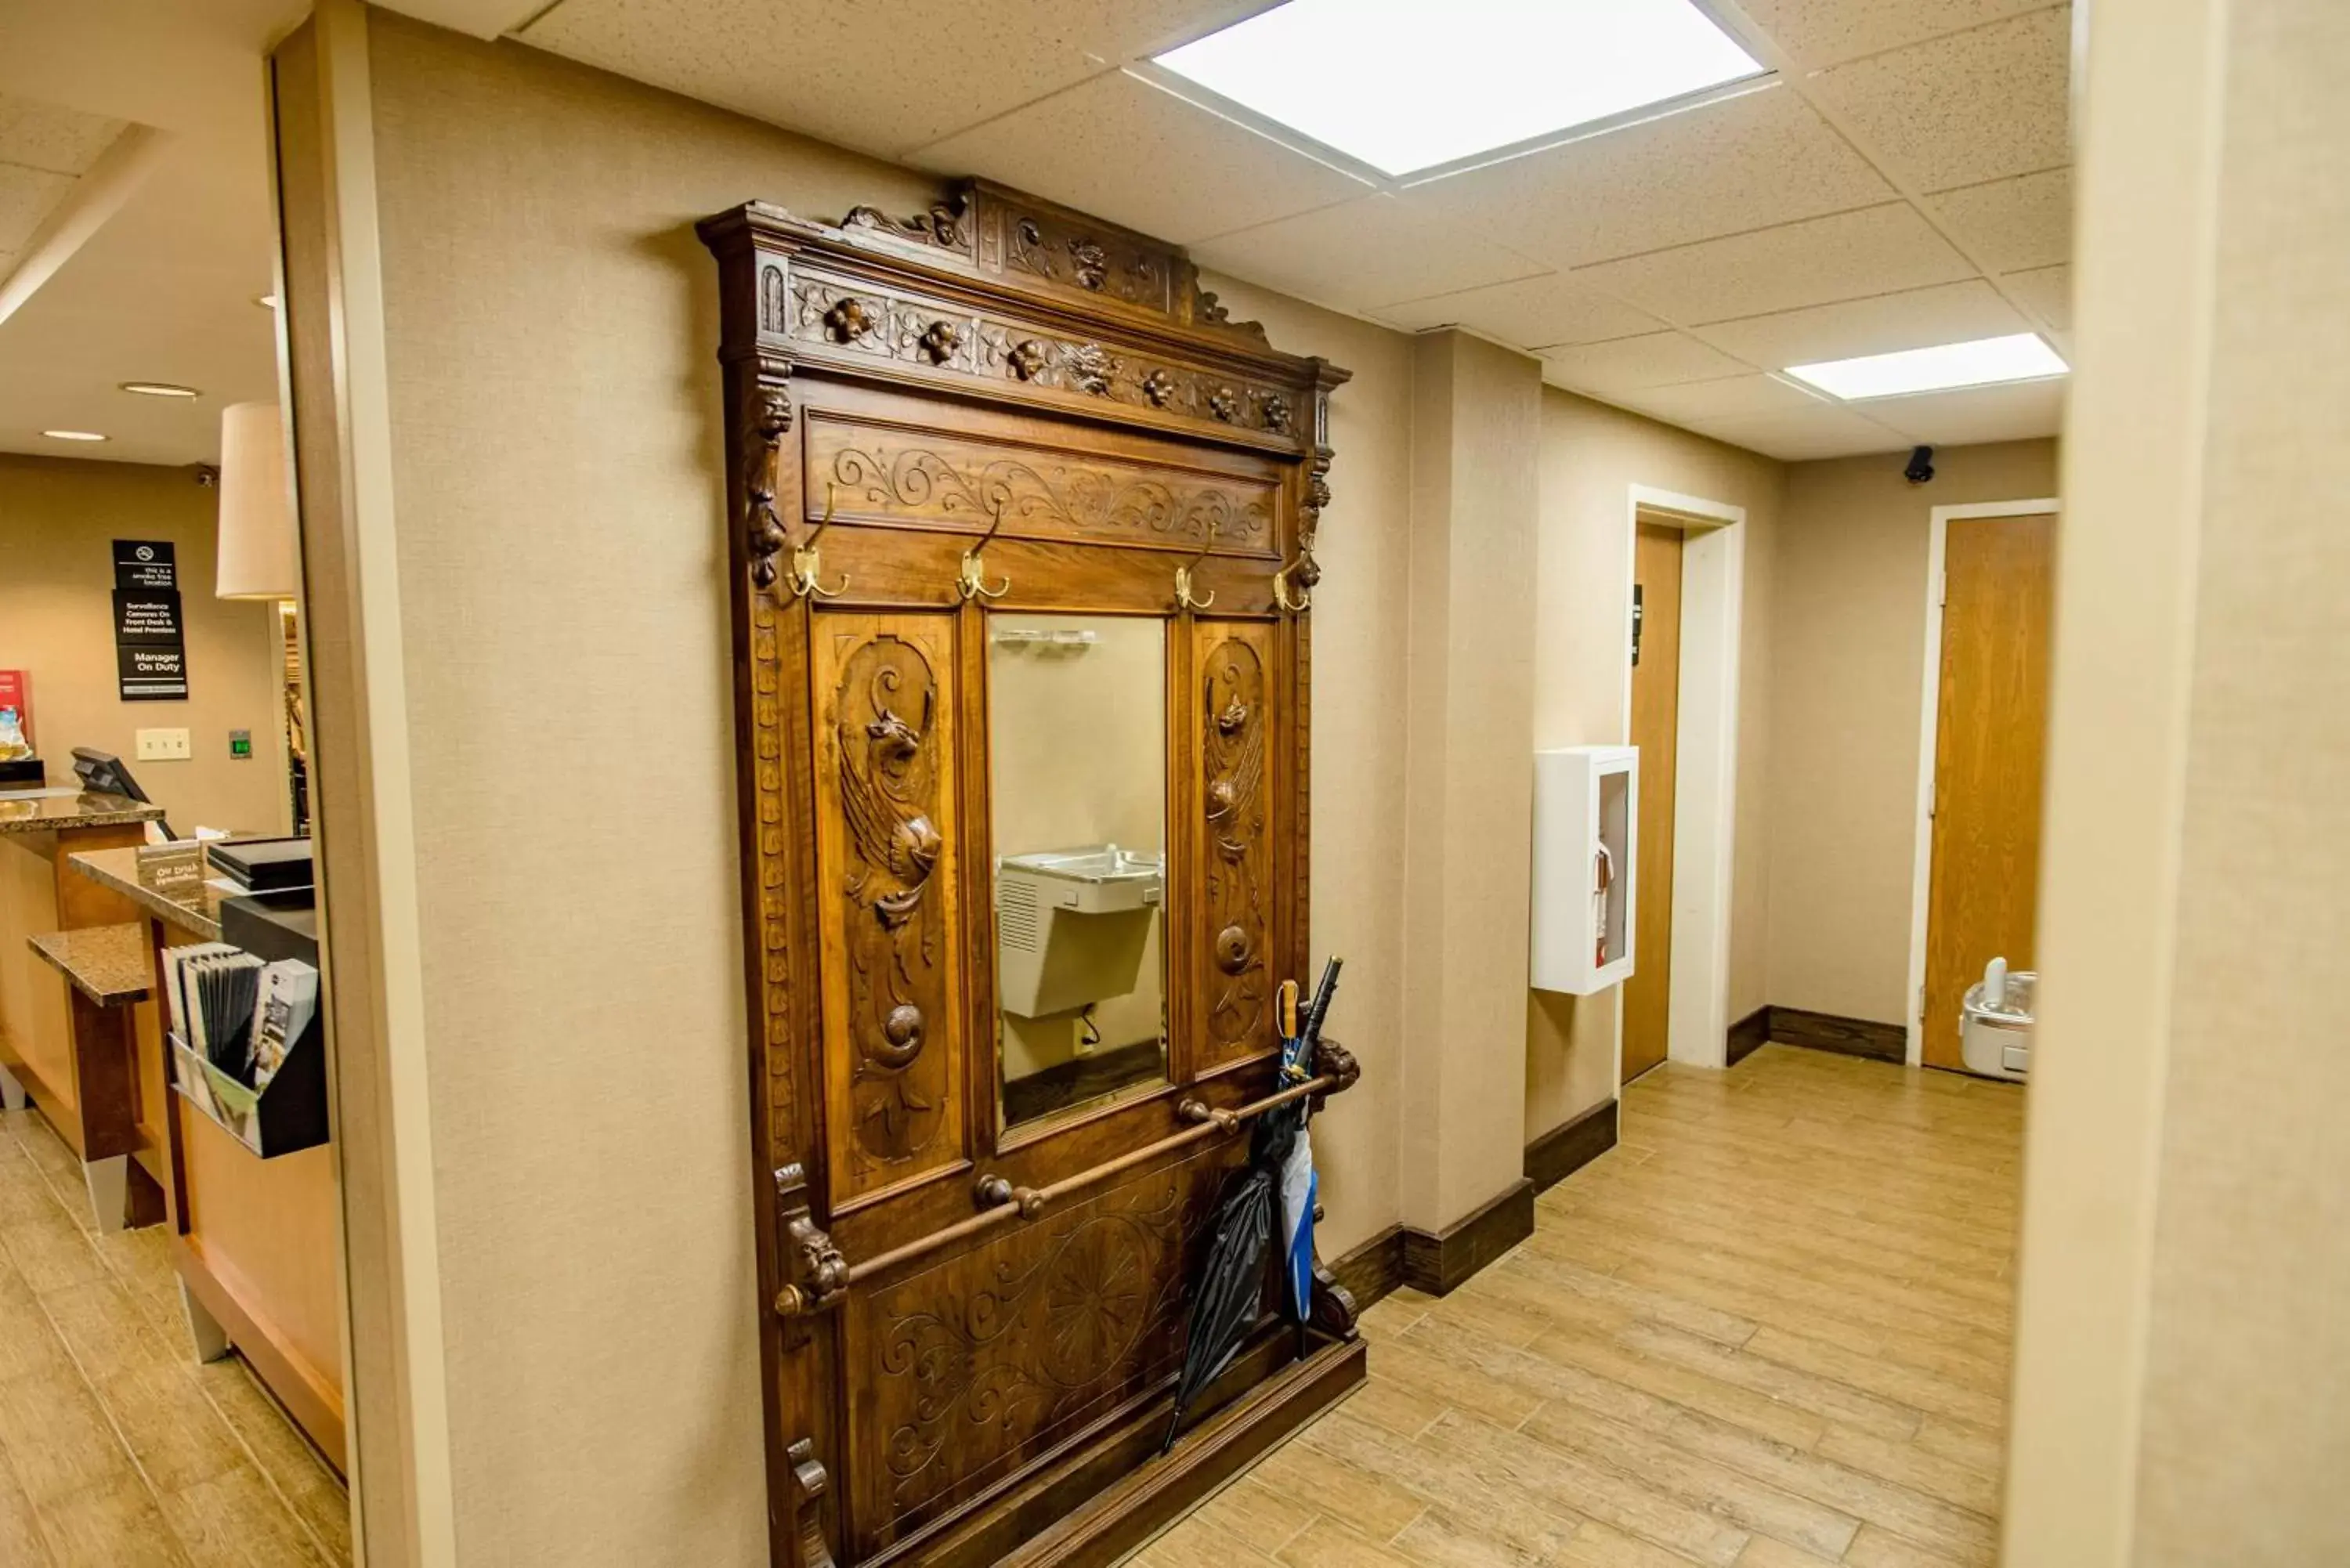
x=1585, y=846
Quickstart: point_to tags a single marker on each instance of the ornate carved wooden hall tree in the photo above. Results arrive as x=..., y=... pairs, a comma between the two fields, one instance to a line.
x=1024, y=534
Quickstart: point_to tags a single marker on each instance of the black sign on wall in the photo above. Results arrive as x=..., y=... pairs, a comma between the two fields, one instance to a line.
x=150, y=648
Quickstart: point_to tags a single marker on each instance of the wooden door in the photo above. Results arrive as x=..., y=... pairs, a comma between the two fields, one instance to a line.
x=1990, y=735
x=1656, y=720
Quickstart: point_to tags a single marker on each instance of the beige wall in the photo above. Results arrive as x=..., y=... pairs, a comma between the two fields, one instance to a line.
x=1848, y=665
x=559, y=475
x=58, y=520
x=1591, y=457
x=2182, y=1338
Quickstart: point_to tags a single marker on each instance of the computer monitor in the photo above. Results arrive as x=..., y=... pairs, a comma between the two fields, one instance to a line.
x=102, y=773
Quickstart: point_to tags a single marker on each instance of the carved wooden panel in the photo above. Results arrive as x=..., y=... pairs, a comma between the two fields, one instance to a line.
x=1036, y=245
x=908, y=327
x=942, y=481
x=982, y=1361
x=1237, y=965
x=886, y=846
x=1048, y=247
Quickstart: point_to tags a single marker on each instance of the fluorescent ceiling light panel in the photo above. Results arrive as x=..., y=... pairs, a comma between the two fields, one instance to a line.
x=1985, y=362
x=1406, y=85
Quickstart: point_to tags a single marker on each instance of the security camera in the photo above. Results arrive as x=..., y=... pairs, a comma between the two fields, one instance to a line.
x=1921, y=466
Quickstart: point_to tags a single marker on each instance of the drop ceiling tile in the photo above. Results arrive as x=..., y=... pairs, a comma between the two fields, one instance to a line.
x=2010, y=223
x=1975, y=106
x=886, y=78
x=1530, y=312
x=1634, y=364
x=1881, y=324
x=2017, y=413
x=1208, y=175
x=1360, y=255
x=1765, y=157
x=1822, y=32
x=1730, y=398
x=2047, y=292
x=51, y=138
x=1803, y=435
x=1879, y=250
x=27, y=196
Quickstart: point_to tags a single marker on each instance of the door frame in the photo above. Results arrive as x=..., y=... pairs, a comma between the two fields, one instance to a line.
x=1705, y=773
x=1921, y=855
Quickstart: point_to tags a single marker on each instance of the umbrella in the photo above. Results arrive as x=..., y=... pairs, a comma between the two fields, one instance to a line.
x=1300, y=1186
x=1231, y=1276
x=1280, y=1167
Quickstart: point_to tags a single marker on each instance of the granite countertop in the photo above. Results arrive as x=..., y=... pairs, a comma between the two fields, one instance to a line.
x=106, y=963
x=54, y=812
x=168, y=880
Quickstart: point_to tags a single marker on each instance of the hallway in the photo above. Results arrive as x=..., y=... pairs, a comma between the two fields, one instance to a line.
x=117, y=1449
x=1769, y=1330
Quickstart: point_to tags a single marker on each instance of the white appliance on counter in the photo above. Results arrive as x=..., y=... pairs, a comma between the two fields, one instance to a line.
x=1072, y=925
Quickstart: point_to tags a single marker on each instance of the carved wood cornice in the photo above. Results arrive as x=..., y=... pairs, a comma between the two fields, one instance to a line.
x=1048, y=307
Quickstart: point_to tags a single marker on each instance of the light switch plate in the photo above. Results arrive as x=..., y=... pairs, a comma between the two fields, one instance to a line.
x=164, y=746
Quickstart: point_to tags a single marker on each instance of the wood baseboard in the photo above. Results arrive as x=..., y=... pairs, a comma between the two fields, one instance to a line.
x=1748, y=1035
x=1372, y=1269
x=1439, y=1264
x=1569, y=1147
x=1844, y=1037
x=1436, y=1264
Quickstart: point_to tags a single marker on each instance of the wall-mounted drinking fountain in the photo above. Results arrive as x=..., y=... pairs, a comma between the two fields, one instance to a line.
x=1072, y=925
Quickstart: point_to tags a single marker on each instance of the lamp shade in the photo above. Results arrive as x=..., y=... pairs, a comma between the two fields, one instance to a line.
x=259, y=557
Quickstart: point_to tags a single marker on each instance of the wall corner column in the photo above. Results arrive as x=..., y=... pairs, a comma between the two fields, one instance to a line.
x=1476, y=429
x=333, y=365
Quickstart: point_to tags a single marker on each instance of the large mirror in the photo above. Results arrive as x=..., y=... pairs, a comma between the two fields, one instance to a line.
x=1078, y=752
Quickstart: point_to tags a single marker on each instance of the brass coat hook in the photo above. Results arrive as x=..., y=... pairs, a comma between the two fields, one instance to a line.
x=971, y=580
x=1281, y=597
x=806, y=564
x=1183, y=596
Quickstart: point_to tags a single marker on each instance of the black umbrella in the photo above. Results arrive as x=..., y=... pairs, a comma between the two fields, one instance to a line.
x=1231, y=1276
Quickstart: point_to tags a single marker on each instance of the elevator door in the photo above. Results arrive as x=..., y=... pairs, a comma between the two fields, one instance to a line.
x=1655, y=718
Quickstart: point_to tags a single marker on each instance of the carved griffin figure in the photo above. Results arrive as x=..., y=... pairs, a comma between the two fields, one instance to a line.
x=894, y=836
x=1237, y=755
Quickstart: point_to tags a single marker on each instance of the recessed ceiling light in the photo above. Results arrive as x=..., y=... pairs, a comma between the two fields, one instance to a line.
x=267, y=301
x=1407, y=85
x=73, y=435
x=159, y=390
x=1985, y=362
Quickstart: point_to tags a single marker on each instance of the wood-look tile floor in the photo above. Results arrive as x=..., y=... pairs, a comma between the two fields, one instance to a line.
x=1769, y=1330
x=117, y=1449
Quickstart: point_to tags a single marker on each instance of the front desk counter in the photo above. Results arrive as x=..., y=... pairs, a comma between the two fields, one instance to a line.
x=66, y=1026
x=254, y=1238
